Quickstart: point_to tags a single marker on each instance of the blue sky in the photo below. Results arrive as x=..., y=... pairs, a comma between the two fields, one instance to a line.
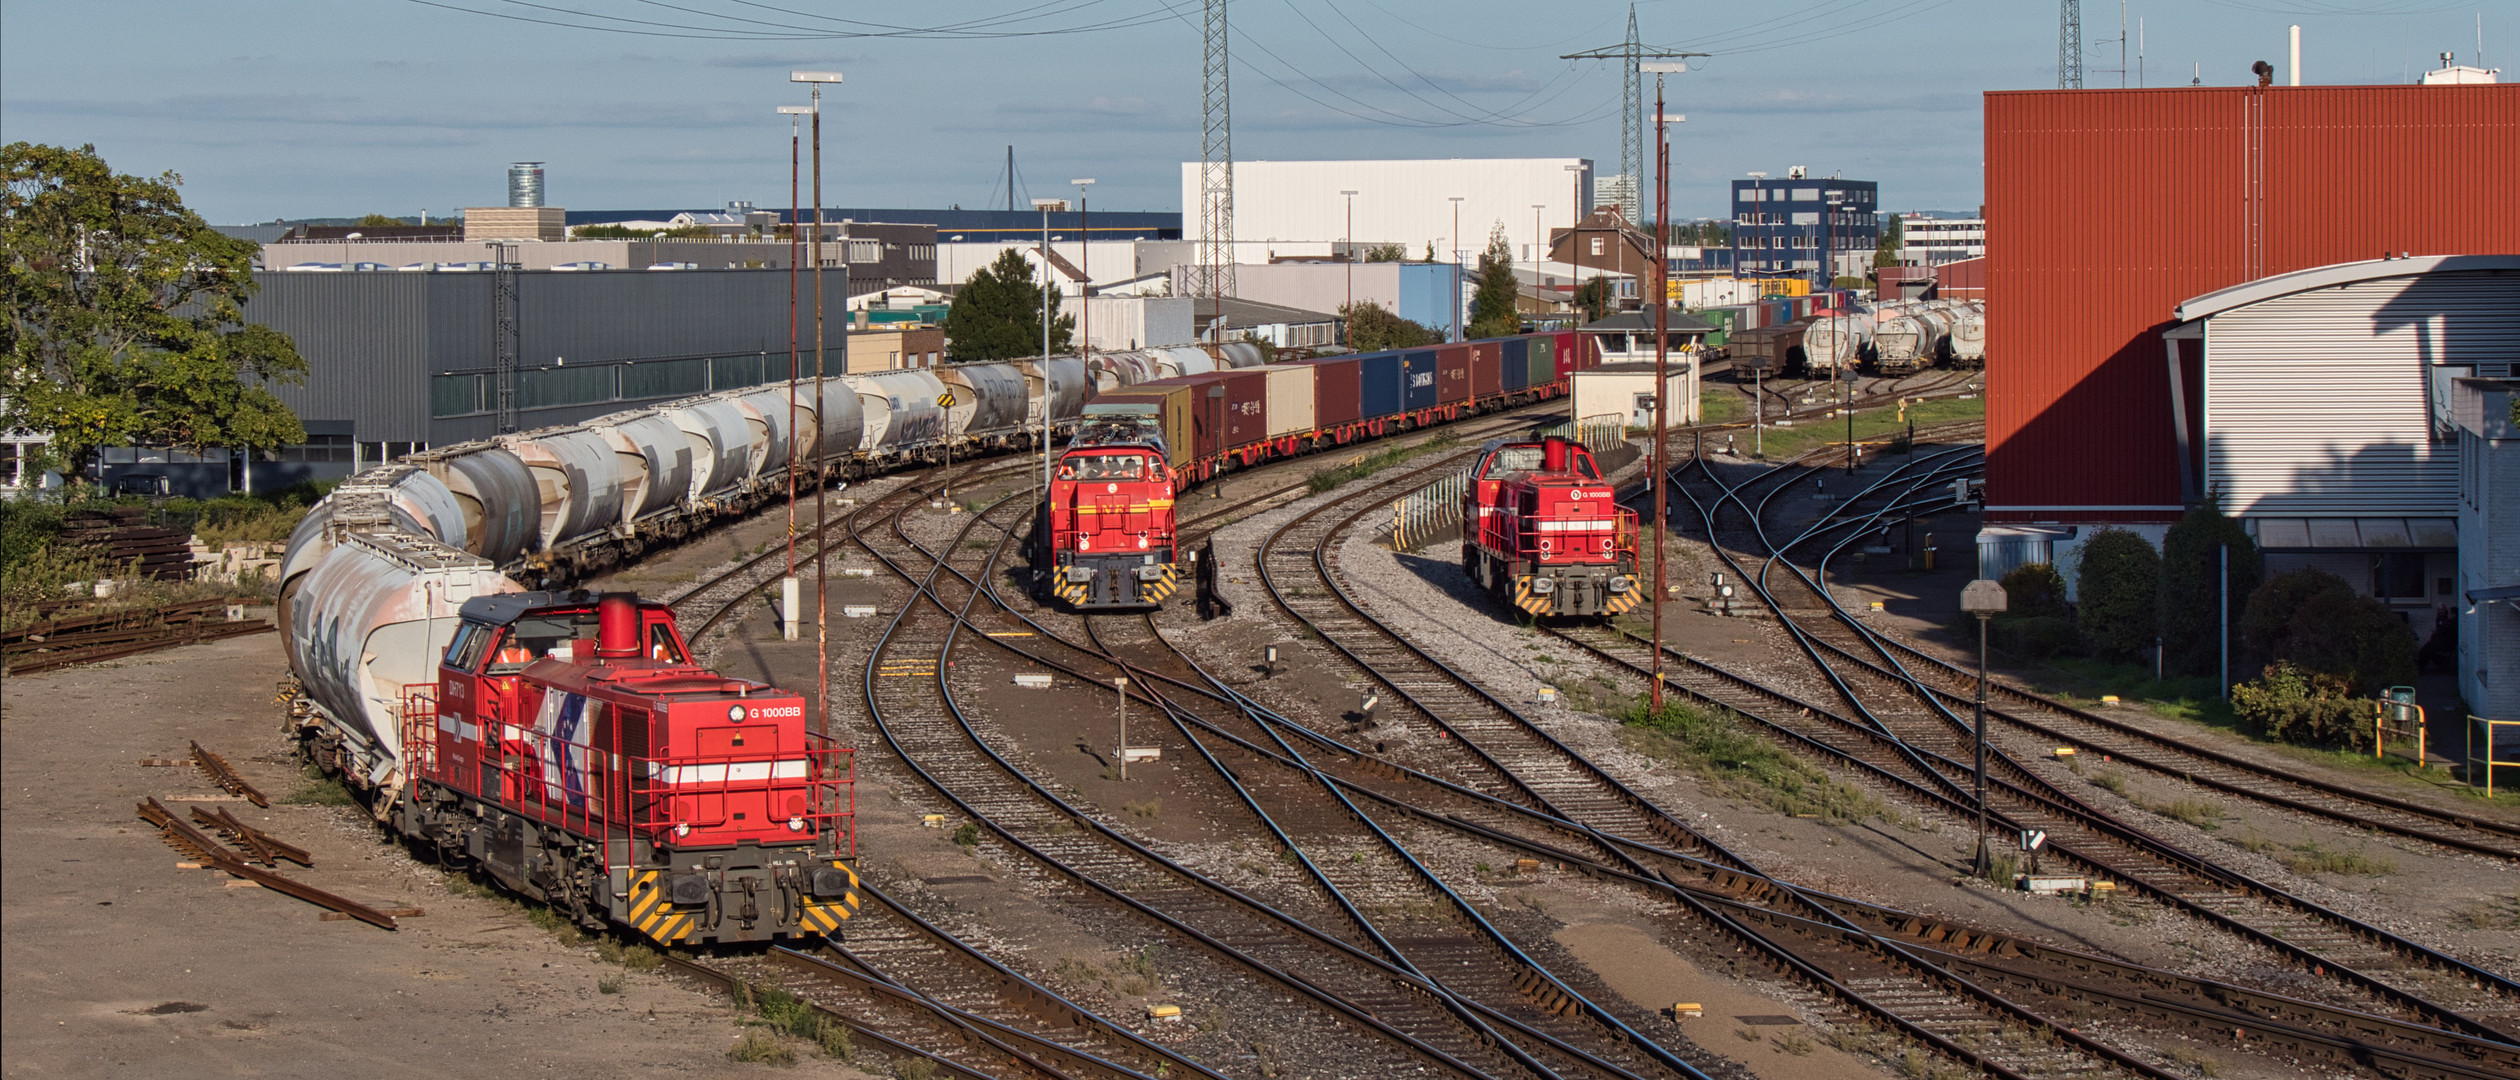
x=306, y=108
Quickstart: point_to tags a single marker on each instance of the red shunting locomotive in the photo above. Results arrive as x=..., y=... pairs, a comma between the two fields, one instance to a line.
x=1104, y=536
x=573, y=752
x=1542, y=531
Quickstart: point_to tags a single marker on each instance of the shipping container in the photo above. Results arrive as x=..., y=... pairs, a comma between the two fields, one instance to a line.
x=1452, y=374
x=1487, y=368
x=1165, y=404
x=1382, y=385
x=1290, y=398
x=1419, y=369
x=1514, y=364
x=2117, y=205
x=1544, y=354
x=1335, y=390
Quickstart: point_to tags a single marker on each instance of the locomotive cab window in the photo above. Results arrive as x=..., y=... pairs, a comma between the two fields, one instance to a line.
x=1111, y=467
x=531, y=639
x=661, y=644
x=471, y=640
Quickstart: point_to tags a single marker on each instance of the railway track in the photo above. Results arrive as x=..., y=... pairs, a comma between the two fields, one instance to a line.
x=2117, y=990
x=1902, y=735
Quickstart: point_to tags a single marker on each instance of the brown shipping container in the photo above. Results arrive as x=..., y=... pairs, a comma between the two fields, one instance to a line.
x=1228, y=409
x=1337, y=391
x=1487, y=368
x=2116, y=205
x=1452, y=374
x=1172, y=411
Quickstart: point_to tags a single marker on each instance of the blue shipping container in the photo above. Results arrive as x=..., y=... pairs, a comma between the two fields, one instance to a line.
x=1381, y=375
x=1517, y=364
x=1420, y=369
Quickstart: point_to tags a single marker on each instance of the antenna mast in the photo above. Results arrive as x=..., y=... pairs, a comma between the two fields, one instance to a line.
x=1216, y=161
x=2069, y=45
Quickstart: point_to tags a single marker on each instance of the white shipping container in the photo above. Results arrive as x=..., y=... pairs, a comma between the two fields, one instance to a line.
x=1290, y=392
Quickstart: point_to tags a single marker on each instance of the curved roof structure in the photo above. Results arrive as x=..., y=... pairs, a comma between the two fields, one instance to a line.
x=2320, y=277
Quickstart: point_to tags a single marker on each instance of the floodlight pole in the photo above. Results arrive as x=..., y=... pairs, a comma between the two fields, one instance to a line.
x=1049, y=281
x=1347, y=314
x=1662, y=360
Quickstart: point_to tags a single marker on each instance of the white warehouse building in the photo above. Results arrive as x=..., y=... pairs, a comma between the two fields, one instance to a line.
x=1294, y=208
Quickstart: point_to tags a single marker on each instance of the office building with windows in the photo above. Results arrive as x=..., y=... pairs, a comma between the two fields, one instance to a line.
x=1789, y=224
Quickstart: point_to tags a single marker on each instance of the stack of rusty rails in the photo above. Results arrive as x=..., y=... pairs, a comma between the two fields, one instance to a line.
x=224, y=775
x=123, y=535
x=112, y=635
x=259, y=846
x=187, y=838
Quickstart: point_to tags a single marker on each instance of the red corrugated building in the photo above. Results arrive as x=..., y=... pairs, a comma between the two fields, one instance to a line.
x=2108, y=208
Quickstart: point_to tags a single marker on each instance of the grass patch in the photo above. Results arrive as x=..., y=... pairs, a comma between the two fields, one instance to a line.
x=917, y=1068
x=1147, y=809
x=2493, y=913
x=1723, y=408
x=1871, y=425
x=1719, y=747
x=1328, y=479
x=2001, y=870
x=759, y=1047
x=634, y=956
x=2196, y=812
x=968, y=835
x=2310, y=858
x=320, y=790
x=609, y=984
x=2195, y=1061
x=2111, y=781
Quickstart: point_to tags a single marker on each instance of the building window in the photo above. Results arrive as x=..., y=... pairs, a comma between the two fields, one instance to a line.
x=1596, y=245
x=319, y=448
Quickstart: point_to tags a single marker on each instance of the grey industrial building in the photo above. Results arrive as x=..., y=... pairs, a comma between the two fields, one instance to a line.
x=397, y=361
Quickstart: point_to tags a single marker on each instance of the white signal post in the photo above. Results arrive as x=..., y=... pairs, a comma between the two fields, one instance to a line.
x=1121, y=684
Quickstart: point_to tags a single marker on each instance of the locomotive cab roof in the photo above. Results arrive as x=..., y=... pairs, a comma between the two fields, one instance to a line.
x=506, y=608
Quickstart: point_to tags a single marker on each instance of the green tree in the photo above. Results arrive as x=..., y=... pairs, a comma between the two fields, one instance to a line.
x=1592, y=298
x=126, y=316
x=2191, y=621
x=2314, y=620
x=997, y=314
x=2116, y=584
x=1372, y=328
x=1493, y=312
x=1430, y=251
x=2034, y=589
x=1387, y=253
x=378, y=221
x=1893, y=238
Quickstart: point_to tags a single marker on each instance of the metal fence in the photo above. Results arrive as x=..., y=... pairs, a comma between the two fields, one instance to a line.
x=1435, y=507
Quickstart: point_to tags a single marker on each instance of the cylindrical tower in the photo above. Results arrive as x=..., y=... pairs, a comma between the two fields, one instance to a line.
x=525, y=183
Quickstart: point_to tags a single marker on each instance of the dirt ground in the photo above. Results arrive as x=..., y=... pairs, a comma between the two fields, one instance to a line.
x=119, y=964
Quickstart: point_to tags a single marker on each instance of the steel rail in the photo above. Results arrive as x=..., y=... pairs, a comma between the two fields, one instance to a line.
x=1915, y=927
x=2063, y=811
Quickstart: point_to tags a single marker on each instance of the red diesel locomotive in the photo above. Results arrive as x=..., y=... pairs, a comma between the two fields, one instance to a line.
x=573, y=752
x=1104, y=537
x=1542, y=531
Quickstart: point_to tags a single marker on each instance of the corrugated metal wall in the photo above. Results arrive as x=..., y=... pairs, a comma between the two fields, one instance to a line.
x=372, y=341
x=2320, y=403
x=2106, y=208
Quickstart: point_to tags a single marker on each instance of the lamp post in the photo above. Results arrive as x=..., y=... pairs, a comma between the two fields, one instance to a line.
x=1662, y=352
x=822, y=585
x=1456, y=250
x=1758, y=376
x=1084, y=290
x=1048, y=282
x=796, y=250
x=1985, y=599
x=1758, y=213
x=1349, y=240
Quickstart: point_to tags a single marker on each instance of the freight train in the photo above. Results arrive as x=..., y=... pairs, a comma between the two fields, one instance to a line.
x=1542, y=531
x=385, y=572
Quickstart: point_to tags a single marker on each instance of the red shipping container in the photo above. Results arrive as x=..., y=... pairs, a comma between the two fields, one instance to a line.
x=2116, y=205
x=1228, y=410
x=1452, y=374
x=1337, y=392
x=1487, y=369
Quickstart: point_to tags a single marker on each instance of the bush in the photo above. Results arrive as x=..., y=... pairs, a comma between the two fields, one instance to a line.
x=2313, y=619
x=2303, y=707
x=2034, y=589
x=2191, y=578
x=2116, y=588
x=2036, y=637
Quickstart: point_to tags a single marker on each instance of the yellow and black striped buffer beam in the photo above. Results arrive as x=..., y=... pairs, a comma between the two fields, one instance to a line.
x=822, y=916
x=650, y=913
